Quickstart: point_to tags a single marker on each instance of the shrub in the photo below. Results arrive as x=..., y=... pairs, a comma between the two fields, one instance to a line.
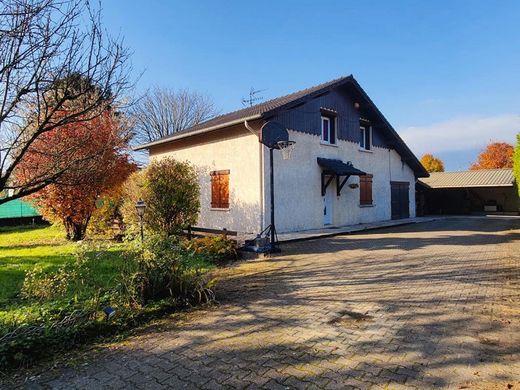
x=108, y=210
x=170, y=189
x=172, y=196
x=218, y=249
x=133, y=190
x=162, y=269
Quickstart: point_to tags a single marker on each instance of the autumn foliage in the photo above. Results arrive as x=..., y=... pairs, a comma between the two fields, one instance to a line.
x=432, y=163
x=98, y=148
x=496, y=155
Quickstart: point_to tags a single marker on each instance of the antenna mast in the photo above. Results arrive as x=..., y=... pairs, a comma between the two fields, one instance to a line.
x=252, y=99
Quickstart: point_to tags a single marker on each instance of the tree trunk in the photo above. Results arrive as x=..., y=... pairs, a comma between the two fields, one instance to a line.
x=75, y=231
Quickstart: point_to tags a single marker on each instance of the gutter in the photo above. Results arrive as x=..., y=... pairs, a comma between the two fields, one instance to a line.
x=261, y=173
x=196, y=132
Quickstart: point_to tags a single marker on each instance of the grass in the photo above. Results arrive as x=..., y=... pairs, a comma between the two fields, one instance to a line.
x=22, y=248
x=95, y=280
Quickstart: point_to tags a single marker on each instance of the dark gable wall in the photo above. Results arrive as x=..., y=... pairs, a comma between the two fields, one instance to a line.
x=307, y=118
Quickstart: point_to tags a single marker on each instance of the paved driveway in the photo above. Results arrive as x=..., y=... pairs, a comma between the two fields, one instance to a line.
x=419, y=306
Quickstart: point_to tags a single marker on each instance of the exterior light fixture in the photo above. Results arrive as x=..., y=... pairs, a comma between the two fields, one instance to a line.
x=109, y=312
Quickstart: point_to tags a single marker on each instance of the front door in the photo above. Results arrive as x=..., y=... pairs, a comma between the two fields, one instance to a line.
x=400, y=199
x=327, y=206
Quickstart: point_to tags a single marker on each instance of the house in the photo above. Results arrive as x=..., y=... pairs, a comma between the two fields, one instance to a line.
x=348, y=166
x=465, y=192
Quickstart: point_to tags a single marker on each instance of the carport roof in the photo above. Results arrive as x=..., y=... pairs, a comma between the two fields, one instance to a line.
x=467, y=179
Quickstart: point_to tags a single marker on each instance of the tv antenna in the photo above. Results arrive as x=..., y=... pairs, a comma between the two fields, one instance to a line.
x=252, y=99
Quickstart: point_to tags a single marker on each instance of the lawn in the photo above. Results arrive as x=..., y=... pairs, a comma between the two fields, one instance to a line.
x=22, y=248
x=138, y=282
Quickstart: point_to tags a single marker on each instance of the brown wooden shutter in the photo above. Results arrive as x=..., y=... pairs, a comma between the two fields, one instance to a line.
x=215, y=192
x=369, y=189
x=365, y=189
x=220, y=189
x=224, y=191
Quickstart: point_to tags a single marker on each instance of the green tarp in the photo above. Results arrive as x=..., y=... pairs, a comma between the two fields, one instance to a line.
x=17, y=209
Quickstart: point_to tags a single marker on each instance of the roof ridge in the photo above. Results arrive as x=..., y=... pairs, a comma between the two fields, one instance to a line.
x=317, y=86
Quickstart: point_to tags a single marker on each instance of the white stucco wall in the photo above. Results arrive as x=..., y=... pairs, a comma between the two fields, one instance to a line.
x=237, y=150
x=299, y=204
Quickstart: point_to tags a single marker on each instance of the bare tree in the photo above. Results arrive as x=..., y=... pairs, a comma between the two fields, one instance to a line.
x=57, y=67
x=163, y=112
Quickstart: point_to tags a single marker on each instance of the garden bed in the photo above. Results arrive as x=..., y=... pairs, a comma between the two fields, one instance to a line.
x=54, y=293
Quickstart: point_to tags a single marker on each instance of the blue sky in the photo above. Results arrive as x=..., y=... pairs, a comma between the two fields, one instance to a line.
x=445, y=74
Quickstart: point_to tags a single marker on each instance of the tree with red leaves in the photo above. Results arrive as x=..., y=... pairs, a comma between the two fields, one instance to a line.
x=98, y=149
x=496, y=155
x=53, y=54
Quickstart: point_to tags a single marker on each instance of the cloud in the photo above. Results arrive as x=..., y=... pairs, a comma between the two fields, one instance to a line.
x=463, y=133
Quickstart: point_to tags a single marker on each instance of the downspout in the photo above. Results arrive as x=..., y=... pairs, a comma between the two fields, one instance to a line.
x=261, y=174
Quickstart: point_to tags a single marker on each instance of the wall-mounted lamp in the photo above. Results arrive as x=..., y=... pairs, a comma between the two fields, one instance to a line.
x=353, y=185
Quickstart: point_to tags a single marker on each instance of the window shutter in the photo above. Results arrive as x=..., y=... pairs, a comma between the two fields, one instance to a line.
x=368, y=141
x=332, y=130
x=224, y=191
x=369, y=189
x=215, y=191
x=220, y=189
x=365, y=189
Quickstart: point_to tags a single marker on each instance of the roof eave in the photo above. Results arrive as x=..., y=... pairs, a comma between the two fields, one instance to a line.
x=469, y=186
x=181, y=135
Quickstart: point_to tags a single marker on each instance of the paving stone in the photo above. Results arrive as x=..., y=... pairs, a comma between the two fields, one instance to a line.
x=412, y=307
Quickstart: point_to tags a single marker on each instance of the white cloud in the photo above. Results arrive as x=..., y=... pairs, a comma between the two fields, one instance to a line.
x=464, y=133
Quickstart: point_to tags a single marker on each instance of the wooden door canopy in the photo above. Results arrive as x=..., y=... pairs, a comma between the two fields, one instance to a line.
x=336, y=169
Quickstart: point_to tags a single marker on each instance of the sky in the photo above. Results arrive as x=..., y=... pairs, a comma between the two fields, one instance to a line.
x=446, y=74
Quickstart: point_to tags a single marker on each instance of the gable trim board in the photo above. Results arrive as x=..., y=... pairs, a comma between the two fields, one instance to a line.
x=227, y=143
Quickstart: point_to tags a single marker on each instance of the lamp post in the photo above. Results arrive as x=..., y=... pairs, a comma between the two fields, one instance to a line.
x=140, y=207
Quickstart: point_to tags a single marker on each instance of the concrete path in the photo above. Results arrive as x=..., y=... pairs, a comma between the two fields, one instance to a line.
x=339, y=230
x=431, y=305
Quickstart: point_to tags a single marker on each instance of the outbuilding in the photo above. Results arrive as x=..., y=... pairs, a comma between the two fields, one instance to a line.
x=465, y=192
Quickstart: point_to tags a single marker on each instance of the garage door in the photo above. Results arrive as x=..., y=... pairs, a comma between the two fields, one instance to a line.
x=400, y=199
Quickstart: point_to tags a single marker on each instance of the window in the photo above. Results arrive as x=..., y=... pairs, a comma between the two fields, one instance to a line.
x=365, y=137
x=328, y=130
x=220, y=189
x=365, y=190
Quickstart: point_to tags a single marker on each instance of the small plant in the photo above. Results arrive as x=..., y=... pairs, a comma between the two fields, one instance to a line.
x=44, y=285
x=219, y=249
x=162, y=269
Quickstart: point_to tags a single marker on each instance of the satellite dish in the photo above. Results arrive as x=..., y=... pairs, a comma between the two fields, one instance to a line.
x=272, y=133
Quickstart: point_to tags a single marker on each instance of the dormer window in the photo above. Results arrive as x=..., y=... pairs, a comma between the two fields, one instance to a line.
x=328, y=130
x=365, y=136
